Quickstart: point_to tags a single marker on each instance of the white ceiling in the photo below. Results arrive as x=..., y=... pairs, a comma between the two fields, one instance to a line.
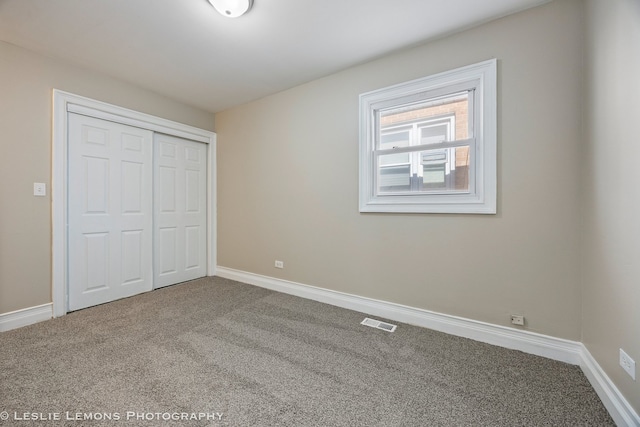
x=185, y=50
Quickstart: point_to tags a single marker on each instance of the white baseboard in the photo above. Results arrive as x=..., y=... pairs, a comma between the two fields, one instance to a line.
x=572, y=352
x=619, y=408
x=27, y=316
x=529, y=342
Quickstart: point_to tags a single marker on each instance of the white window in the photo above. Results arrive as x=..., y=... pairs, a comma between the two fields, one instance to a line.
x=429, y=145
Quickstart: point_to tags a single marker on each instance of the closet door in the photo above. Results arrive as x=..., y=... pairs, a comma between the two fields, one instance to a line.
x=180, y=206
x=110, y=229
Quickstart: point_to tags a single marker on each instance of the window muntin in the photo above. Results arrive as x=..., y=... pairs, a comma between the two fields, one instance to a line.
x=430, y=145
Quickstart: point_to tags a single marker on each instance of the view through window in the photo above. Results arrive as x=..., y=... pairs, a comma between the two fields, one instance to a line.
x=426, y=127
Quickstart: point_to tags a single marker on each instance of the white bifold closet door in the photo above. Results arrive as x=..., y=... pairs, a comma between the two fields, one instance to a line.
x=137, y=211
x=109, y=211
x=180, y=210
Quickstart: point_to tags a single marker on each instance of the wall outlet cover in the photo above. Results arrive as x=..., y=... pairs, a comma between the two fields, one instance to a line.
x=39, y=189
x=628, y=364
x=517, y=319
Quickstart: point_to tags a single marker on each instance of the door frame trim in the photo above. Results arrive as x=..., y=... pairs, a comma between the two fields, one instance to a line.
x=64, y=103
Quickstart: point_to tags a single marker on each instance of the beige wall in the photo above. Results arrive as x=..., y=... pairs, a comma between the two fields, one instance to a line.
x=26, y=83
x=611, y=245
x=288, y=185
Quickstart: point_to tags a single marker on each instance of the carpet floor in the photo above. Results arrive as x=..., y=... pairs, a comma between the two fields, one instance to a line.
x=214, y=352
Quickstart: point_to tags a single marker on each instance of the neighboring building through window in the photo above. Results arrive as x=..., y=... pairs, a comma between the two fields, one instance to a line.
x=430, y=145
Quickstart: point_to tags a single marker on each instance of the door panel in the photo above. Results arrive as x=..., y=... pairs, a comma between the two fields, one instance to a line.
x=109, y=211
x=192, y=246
x=95, y=269
x=180, y=210
x=167, y=243
x=132, y=257
x=132, y=187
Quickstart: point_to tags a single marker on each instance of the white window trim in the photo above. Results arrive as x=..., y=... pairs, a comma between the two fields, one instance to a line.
x=481, y=199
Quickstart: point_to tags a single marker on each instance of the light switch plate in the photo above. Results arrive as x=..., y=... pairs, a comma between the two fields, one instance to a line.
x=39, y=189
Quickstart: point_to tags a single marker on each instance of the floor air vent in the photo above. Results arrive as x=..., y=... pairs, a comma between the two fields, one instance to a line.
x=379, y=325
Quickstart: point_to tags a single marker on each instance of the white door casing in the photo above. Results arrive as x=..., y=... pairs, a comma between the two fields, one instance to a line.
x=110, y=211
x=180, y=208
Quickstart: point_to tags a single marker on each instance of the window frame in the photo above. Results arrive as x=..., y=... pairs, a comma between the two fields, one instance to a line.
x=481, y=80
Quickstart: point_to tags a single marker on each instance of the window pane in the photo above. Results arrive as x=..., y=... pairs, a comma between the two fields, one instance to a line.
x=435, y=134
x=444, y=169
x=395, y=159
x=393, y=139
x=450, y=113
x=394, y=178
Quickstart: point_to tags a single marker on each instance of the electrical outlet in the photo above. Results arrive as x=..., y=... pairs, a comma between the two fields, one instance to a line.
x=628, y=364
x=39, y=189
x=279, y=264
x=517, y=319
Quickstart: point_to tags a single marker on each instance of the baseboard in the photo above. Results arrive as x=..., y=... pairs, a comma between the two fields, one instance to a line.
x=572, y=352
x=27, y=316
x=619, y=408
x=529, y=342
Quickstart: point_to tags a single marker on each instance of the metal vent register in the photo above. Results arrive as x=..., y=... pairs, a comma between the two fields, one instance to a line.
x=378, y=324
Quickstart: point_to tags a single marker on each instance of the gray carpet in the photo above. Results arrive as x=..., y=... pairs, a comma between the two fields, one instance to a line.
x=261, y=358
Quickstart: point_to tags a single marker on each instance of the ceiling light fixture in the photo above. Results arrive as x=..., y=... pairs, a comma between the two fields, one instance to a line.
x=232, y=8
